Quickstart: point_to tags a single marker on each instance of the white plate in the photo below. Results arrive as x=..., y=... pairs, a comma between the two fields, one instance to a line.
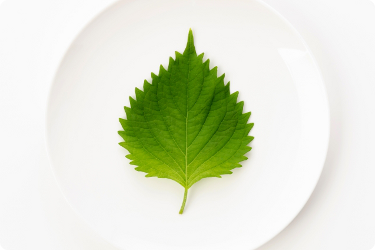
x=263, y=57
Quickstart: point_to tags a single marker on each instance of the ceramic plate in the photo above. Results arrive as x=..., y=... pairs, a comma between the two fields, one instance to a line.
x=262, y=56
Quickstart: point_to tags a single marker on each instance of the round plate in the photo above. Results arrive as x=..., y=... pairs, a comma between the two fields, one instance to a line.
x=266, y=61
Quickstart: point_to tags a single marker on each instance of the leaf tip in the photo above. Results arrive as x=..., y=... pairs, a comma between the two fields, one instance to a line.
x=190, y=48
x=191, y=36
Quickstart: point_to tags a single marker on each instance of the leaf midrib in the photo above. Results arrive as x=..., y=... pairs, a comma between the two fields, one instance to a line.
x=186, y=123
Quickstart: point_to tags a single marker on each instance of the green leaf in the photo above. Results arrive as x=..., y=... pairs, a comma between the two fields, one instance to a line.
x=185, y=125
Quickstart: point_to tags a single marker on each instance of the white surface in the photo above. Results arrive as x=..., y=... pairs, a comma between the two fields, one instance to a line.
x=339, y=214
x=265, y=60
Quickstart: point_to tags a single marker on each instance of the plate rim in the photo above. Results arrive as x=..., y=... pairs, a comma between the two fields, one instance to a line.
x=324, y=144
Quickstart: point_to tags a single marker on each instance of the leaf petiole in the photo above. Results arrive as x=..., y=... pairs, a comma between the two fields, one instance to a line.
x=184, y=201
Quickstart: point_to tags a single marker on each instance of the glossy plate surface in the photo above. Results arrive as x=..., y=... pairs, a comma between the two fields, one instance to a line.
x=262, y=56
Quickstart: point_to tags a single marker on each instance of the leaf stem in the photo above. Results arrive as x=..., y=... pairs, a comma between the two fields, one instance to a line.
x=184, y=201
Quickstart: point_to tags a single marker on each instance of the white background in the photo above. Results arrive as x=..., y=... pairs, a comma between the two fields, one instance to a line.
x=35, y=34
